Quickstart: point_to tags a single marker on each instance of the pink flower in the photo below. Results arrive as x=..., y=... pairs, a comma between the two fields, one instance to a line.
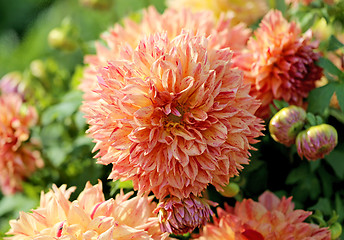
x=18, y=157
x=317, y=141
x=280, y=63
x=173, y=116
x=222, y=33
x=270, y=218
x=12, y=83
x=181, y=216
x=89, y=217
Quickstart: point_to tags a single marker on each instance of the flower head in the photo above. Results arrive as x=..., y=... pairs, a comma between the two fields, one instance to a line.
x=316, y=141
x=223, y=34
x=12, y=83
x=286, y=124
x=181, y=216
x=89, y=217
x=173, y=116
x=18, y=157
x=280, y=62
x=248, y=11
x=270, y=218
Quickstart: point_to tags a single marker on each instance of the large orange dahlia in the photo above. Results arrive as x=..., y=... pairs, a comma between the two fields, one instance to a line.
x=280, y=62
x=223, y=33
x=173, y=116
x=18, y=156
x=90, y=216
x=270, y=218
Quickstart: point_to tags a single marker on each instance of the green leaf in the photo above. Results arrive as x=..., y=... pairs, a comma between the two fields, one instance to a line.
x=339, y=207
x=297, y=174
x=340, y=95
x=17, y=202
x=319, y=98
x=335, y=159
x=334, y=44
x=323, y=205
x=329, y=66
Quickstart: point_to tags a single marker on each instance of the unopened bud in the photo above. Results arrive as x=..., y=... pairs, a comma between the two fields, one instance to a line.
x=316, y=141
x=286, y=124
x=230, y=190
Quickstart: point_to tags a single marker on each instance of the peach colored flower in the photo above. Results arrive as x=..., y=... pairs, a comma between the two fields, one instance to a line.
x=18, y=157
x=171, y=21
x=89, y=217
x=173, y=116
x=270, y=218
x=280, y=62
x=242, y=11
x=182, y=216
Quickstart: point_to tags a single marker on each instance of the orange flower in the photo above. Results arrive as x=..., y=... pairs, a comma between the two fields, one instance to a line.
x=270, y=218
x=89, y=217
x=280, y=62
x=248, y=11
x=18, y=157
x=171, y=21
x=173, y=116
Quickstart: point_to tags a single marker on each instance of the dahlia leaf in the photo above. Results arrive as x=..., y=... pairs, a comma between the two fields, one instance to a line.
x=340, y=95
x=329, y=67
x=323, y=205
x=334, y=44
x=319, y=98
x=335, y=159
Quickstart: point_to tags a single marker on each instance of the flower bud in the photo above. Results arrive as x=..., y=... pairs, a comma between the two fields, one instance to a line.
x=181, y=216
x=230, y=190
x=286, y=124
x=336, y=230
x=64, y=37
x=96, y=4
x=316, y=141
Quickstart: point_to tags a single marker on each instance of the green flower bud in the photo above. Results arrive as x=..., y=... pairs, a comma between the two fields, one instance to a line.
x=336, y=230
x=230, y=190
x=316, y=141
x=286, y=124
x=64, y=37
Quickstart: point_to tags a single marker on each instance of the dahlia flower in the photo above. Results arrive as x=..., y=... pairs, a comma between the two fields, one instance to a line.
x=316, y=141
x=12, y=83
x=242, y=11
x=18, y=157
x=280, y=62
x=223, y=34
x=181, y=216
x=90, y=216
x=270, y=218
x=286, y=124
x=173, y=116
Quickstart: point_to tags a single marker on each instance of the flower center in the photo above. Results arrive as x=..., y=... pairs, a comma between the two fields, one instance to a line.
x=176, y=115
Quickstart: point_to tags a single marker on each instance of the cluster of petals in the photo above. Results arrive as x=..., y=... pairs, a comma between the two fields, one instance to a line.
x=242, y=11
x=18, y=154
x=223, y=34
x=90, y=216
x=268, y=219
x=280, y=62
x=182, y=216
x=173, y=116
